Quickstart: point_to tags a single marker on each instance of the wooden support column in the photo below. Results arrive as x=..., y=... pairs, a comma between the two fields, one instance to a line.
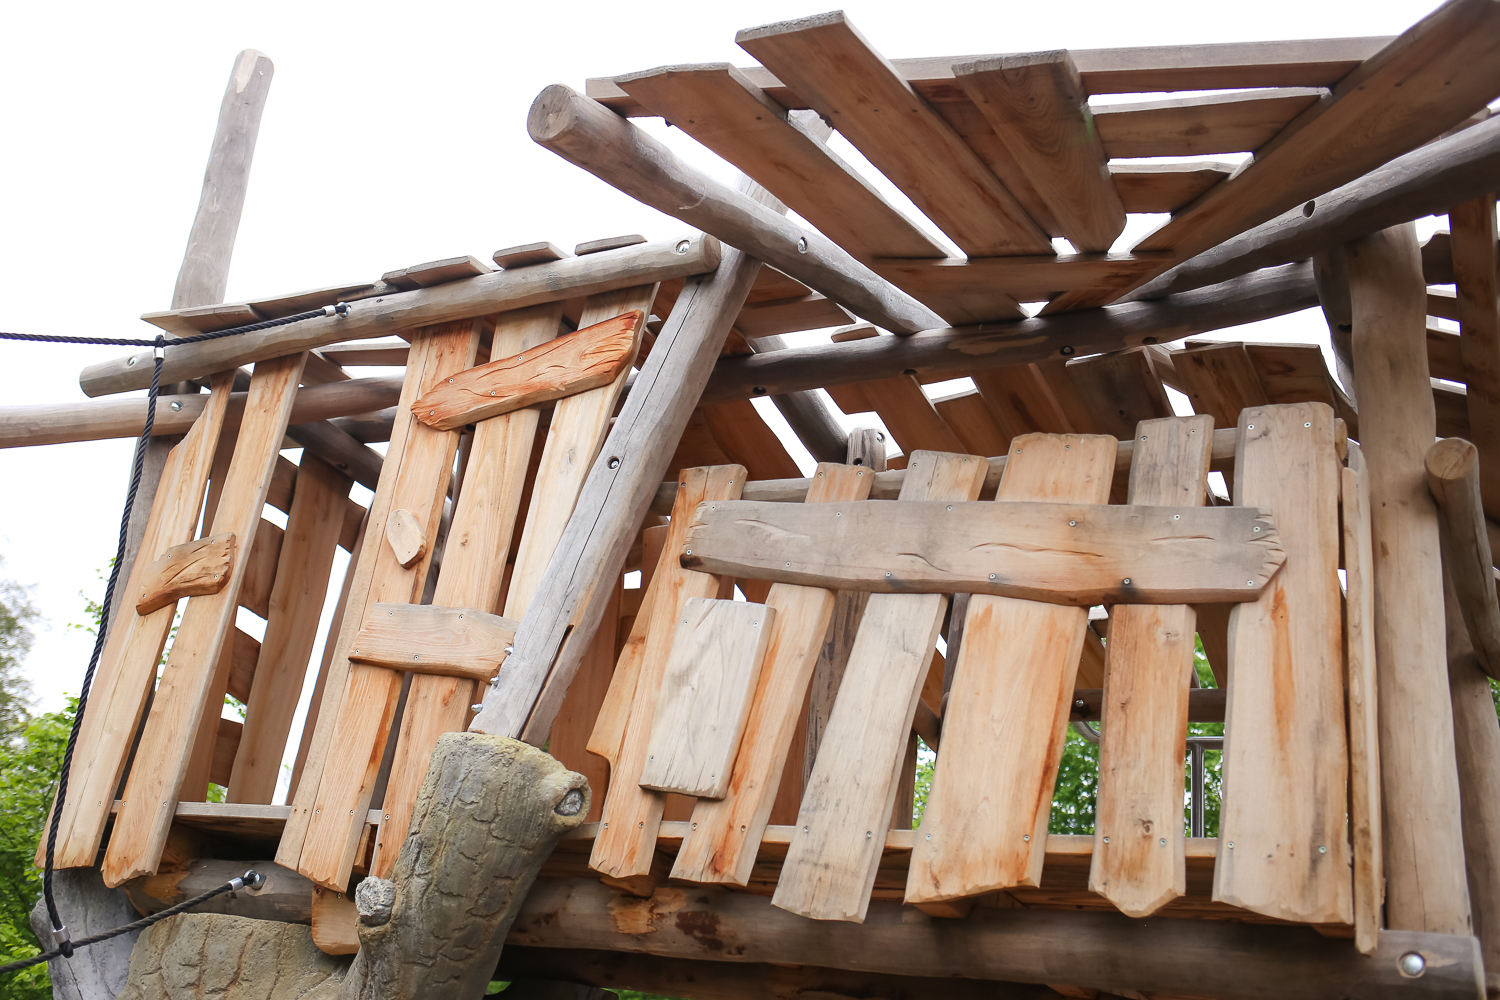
x=1426, y=887
x=1476, y=257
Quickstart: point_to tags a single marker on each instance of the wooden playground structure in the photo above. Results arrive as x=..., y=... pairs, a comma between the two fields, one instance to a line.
x=586, y=538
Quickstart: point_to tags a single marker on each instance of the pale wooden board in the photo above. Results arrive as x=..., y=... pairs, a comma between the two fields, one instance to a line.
x=836, y=70
x=609, y=725
x=1158, y=188
x=627, y=839
x=1476, y=257
x=1020, y=401
x=1039, y=108
x=296, y=604
x=1058, y=552
x=479, y=540
x=1285, y=760
x=1201, y=126
x=165, y=750
x=969, y=418
x=127, y=666
x=768, y=318
x=706, y=686
x=909, y=415
x=986, y=820
x=748, y=441
x=721, y=843
x=984, y=288
x=258, y=573
x=846, y=808
x=1138, y=836
x=581, y=707
x=321, y=835
x=429, y=638
x=407, y=537
x=437, y=272
x=1364, y=720
x=191, y=569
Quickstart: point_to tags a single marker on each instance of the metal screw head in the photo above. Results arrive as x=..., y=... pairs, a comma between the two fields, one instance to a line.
x=887, y=574
x=1106, y=840
x=1066, y=352
x=1231, y=845
x=1126, y=581
x=1412, y=964
x=1177, y=517
x=450, y=381
x=1249, y=427
x=1322, y=849
x=788, y=565
x=1256, y=528
x=1164, y=841
x=1307, y=423
x=689, y=551
x=130, y=362
x=477, y=707
x=682, y=246
x=1249, y=583
x=804, y=829
x=509, y=650
x=1072, y=524
x=838, y=513
x=950, y=506
x=868, y=835
x=880, y=435
x=929, y=836
x=614, y=463
x=1026, y=837
x=802, y=244
x=176, y=405
x=994, y=576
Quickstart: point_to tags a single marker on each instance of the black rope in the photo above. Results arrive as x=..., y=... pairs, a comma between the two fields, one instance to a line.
x=250, y=878
x=159, y=344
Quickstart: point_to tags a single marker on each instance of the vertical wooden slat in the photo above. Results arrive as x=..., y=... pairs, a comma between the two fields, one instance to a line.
x=1283, y=844
x=166, y=745
x=725, y=834
x=985, y=827
x=1139, y=853
x=581, y=708
x=831, y=863
x=1476, y=257
x=626, y=843
x=312, y=535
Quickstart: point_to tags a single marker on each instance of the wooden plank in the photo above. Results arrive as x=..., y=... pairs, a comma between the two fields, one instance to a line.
x=1039, y=108
x=1165, y=187
x=748, y=441
x=717, y=105
x=191, y=569
x=1433, y=76
x=392, y=313
x=1201, y=126
x=1364, y=717
x=771, y=317
x=431, y=639
x=827, y=61
x=1220, y=380
x=1021, y=402
x=608, y=733
x=1476, y=257
x=436, y=272
x=563, y=366
x=830, y=869
x=165, y=747
x=1285, y=760
x=1121, y=389
x=984, y=289
x=1008, y=704
x=969, y=418
x=627, y=840
x=1422, y=837
x=338, y=779
x=704, y=702
x=909, y=415
x=296, y=605
x=482, y=534
x=1138, y=863
x=583, y=705
x=722, y=841
x=1078, y=554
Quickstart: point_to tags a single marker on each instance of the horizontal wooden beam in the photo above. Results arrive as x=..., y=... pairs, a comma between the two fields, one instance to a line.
x=385, y=315
x=1099, y=951
x=1426, y=181
x=286, y=895
x=428, y=639
x=1272, y=292
x=1059, y=553
x=1204, y=704
x=588, y=135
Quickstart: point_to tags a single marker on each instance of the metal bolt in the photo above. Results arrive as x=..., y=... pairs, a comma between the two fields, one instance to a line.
x=804, y=829
x=614, y=463
x=788, y=565
x=839, y=513
x=477, y=707
x=1126, y=581
x=1072, y=524
x=1231, y=845
x=1106, y=840
x=1249, y=427
x=509, y=650
x=1164, y=841
x=929, y=836
x=994, y=576
x=1026, y=837
x=1412, y=965
x=450, y=381
x=689, y=551
x=1322, y=849
x=492, y=392
x=868, y=835
x=756, y=625
x=1177, y=517
x=880, y=435
x=1066, y=352
x=887, y=574
x=802, y=245
x=950, y=506
x=682, y=246
x=176, y=405
x=861, y=472
x=1143, y=437
x=1193, y=431
x=1249, y=583
x=1256, y=528
x=130, y=362
x=416, y=656
x=695, y=826
x=1307, y=423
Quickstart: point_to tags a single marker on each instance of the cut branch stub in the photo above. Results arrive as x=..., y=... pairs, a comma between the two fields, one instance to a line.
x=592, y=357
x=192, y=569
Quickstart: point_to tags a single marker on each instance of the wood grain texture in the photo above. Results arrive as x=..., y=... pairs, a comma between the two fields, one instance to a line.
x=1062, y=553
x=1138, y=861
x=1452, y=467
x=725, y=833
x=1201, y=125
x=407, y=537
x=192, y=569
x=626, y=844
x=830, y=869
x=1476, y=258
x=1285, y=759
x=1364, y=717
x=986, y=820
x=1422, y=837
x=831, y=65
x=1039, y=108
x=563, y=366
x=427, y=638
x=706, y=686
x=1165, y=187
x=166, y=743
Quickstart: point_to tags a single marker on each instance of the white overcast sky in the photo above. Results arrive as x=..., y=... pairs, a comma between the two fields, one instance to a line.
x=394, y=134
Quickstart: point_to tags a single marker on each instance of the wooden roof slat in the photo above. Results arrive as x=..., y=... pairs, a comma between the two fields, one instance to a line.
x=718, y=106
x=1433, y=76
x=836, y=70
x=976, y=282
x=1201, y=126
x=1319, y=62
x=1165, y=187
x=776, y=316
x=1038, y=107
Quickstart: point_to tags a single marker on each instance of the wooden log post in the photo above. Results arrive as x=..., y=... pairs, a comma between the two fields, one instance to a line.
x=1426, y=888
x=488, y=815
x=1453, y=476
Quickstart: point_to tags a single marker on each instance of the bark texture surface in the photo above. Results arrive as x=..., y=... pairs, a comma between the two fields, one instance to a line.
x=196, y=955
x=489, y=813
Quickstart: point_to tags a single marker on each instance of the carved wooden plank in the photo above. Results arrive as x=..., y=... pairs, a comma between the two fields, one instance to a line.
x=426, y=638
x=1285, y=762
x=626, y=844
x=563, y=366
x=725, y=834
x=1138, y=861
x=1039, y=108
x=192, y=569
x=710, y=674
x=830, y=869
x=986, y=821
x=166, y=743
x=1062, y=553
